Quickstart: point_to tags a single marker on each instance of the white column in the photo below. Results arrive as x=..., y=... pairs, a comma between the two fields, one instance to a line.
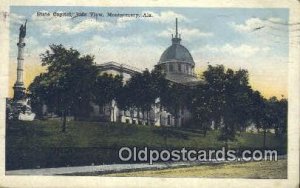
x=20, y=59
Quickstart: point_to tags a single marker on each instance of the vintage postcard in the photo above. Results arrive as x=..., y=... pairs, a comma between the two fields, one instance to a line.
x=150, y=94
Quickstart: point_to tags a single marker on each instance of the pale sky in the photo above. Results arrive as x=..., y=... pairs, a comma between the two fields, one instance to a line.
x=253, y=39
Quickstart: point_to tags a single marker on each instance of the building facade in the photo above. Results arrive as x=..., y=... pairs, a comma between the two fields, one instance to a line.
x=110, y=112
x=178, y=65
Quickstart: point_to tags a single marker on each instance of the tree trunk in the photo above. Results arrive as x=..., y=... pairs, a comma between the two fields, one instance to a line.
x=131, y=115
x=64, y=121
x=76, y=114
x=226, y=148
x=113, y=113
x=176, y=117
x=205, y=131
x=265, y=131
x=277, y=131
x=160, y=124
x=148, y=117
x=143, y=117
x=160, y=112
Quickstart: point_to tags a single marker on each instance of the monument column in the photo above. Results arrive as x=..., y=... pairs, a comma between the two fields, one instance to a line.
x=19, y=89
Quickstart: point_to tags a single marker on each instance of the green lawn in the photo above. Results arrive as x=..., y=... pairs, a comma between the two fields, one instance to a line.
x=42, y=144
x=257, y=170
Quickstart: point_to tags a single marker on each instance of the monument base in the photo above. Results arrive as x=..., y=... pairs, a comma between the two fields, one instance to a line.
x=19, y=91
x=20, y=110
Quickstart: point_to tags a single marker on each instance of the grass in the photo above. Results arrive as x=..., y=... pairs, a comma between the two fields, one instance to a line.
x=39, y=144
x=96, y=134
x=257, y=170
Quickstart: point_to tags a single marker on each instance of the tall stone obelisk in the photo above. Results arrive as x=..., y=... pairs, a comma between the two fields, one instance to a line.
x=19, y=88
x=20, y=106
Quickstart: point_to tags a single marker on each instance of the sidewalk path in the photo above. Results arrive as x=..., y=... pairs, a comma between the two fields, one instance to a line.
x=113, y=168
x=104, y=169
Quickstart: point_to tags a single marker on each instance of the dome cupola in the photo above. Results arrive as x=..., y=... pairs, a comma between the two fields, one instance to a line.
x=176, y=52
x=176, y=61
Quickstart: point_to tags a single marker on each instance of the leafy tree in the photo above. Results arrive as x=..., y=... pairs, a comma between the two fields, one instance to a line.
x=66, y=86
x=275, y=116
x=282, y=117
x=226, y=100
x=159, y=84
x=268, y=113
x=257, y=108
x=139, y=93
x=201, y=108
x=174, y=98
x=142, y=90
x=145, y=91
x=269, y=118
x=38, y=89
x=82, y=75
x=124, y=100
x=214, y=79
x=158, y=81
x=106, y=88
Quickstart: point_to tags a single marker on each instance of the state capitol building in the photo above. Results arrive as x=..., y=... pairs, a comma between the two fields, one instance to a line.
x=178, y=65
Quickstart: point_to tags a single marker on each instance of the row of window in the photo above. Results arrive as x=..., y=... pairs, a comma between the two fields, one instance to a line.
x=140, y=122
x=180, y=68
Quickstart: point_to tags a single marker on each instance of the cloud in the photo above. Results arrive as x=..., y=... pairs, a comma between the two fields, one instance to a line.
x=123, y=22
x=253, y=24
x=89, y=24
x=274, y=19
x=248, y=26
x=132, y=50
x=192, y=33
x=16, y=18
x=165, y=17
x=36, y=52
x=51, y=25
x=94, y=44
x=270, y=32
x=186, y=33
x=162, y=17
x=67, y=25
x=33, y=48
x=240, y=51
x=267, y=73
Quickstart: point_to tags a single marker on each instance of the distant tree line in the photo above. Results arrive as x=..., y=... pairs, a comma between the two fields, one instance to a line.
x=225, y=97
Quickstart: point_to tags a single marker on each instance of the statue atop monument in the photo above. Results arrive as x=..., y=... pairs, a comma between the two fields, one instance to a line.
x=23, y=30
